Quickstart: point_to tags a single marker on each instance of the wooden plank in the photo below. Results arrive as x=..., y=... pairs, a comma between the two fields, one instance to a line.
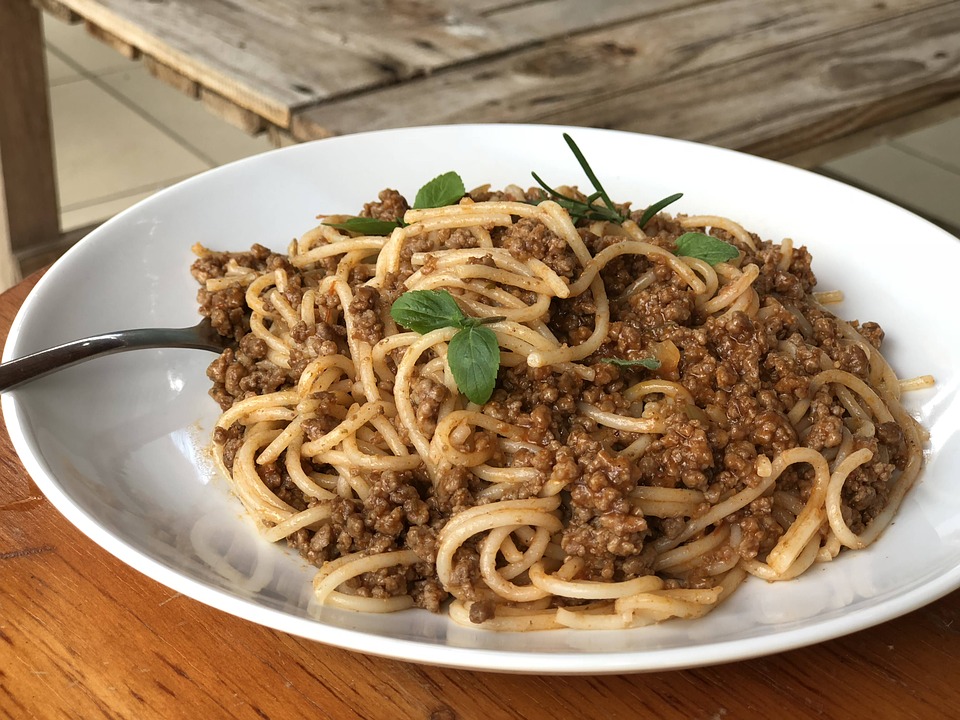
x=239, y=117
x=130, y=52
x=862, y=90
x=658, y=75
x=416, y=38
x=58, y=10
x=874, y=135
x=261, y=67
x=29, y=214
x=171, y=77
x=789, y=100
x=272, y=56
x=280, y=137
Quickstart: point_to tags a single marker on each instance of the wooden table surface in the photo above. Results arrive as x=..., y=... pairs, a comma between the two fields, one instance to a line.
x=801, y=80
x=769, y=78
x=84, y=636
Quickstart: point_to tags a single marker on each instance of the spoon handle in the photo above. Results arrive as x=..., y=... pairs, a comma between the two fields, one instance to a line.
x=30, y=367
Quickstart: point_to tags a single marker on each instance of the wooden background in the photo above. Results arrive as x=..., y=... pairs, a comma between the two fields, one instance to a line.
x=796, y=80
x=771, y=78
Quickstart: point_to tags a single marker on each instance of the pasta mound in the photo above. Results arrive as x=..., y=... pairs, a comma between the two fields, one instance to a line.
x=660, y=427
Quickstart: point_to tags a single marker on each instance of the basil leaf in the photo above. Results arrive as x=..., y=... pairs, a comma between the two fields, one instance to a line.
x=657, y=207
x=648, y=363
x=474, y=358
x=446, y=189
x=365, y=226
x=426, y=310
x=705, y=247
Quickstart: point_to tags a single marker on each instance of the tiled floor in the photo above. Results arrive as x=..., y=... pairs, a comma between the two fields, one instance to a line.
x=121, y=135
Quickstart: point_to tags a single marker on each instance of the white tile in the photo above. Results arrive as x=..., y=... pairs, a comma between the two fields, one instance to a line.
x=100, y=211
x=58, y=71
x=940, y=143
x=904, y=177
x=74, y=42
x=185, y=117
x=105, y=150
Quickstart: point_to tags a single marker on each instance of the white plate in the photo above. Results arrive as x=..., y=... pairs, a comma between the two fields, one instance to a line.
x=119, y=445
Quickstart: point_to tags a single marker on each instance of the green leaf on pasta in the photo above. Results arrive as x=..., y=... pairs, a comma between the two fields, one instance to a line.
x=446, y=189
x=425, y=310
x=648, y=363
x=705, y=247
x=474, y=358
x=365, y=226
x=657, y=207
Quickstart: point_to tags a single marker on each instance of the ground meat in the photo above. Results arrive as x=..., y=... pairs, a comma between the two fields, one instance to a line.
x=667, y=303
x=759, y=530
x=426, y=396
x=528, y=238
x=391, y=207
x=872, y=332
x=366, y=313
x=680, y=457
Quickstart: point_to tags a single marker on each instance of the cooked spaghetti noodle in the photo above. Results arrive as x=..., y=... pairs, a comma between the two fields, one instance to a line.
x=761, y=436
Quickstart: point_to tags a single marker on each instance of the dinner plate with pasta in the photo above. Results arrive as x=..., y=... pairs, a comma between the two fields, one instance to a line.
x=524, y=398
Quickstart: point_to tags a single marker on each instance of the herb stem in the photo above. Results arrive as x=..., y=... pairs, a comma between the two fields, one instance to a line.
x=594, y=180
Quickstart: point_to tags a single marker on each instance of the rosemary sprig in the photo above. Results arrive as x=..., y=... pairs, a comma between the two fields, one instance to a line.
x=600, y=192
x=579, y=209
x=657, y=207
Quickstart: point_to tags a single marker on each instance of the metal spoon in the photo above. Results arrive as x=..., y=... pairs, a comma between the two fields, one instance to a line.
x=201, y=336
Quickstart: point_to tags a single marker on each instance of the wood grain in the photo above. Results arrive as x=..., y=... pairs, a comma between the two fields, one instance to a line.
x=57, y=10
x=273, y=56
x=793, y=79
x=28, y=191
x=84, y=636
x=130, y=52
x=768, y=78
x=171, y=77
x=238, y=116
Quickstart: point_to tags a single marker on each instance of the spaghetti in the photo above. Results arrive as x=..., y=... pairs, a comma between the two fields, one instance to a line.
x=661, y=427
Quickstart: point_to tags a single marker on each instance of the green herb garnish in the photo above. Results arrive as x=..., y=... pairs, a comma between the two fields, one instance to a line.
x=580, y=209
x=705, y=247
x=648, y=363
x=366, y=226
x=589, y=209
x=425, y=310
x=473, y=352
x=445, y=189
x=474, y=357
x=657, y=207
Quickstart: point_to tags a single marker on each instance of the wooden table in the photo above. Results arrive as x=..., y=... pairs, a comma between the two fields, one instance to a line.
x=799, y=80
x=84, y=636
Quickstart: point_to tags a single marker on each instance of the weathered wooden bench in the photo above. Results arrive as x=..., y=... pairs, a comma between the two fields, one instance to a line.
x=795, y=80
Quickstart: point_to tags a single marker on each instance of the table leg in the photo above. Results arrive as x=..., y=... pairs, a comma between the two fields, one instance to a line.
x=29, y=215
